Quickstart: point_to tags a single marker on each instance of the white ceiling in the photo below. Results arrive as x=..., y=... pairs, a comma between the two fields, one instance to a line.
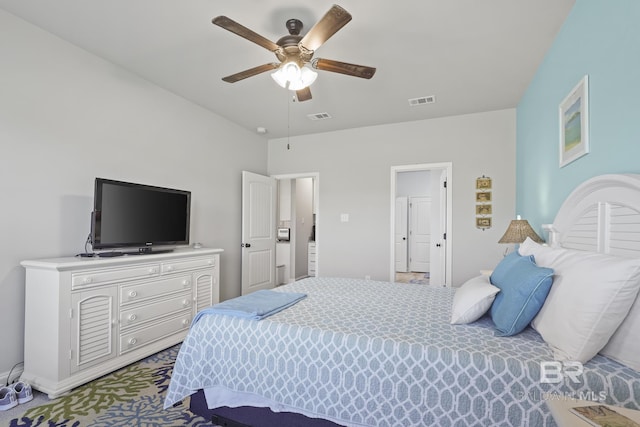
x=472, y=55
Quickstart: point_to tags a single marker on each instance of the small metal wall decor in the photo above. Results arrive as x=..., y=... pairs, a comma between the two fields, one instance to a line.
x=484, y=207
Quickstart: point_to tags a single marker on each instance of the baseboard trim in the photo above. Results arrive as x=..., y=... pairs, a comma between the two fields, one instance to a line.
x=15, y=375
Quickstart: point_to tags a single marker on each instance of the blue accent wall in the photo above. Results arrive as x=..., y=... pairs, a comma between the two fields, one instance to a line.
x=600, y=39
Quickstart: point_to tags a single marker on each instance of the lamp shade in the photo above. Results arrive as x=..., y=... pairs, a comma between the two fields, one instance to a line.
x=518, y=231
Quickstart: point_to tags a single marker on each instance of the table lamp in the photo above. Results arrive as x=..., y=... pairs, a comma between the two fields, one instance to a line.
x=518, y=231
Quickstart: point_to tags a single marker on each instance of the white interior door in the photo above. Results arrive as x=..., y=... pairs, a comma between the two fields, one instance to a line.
x=401, y=231
x=419, y=233
x=439, y=247
x=258, y=232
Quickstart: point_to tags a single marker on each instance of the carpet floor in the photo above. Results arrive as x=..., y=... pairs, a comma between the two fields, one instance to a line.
x=131, y=396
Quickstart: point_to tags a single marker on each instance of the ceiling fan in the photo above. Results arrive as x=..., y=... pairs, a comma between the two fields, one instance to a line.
x=295, y=51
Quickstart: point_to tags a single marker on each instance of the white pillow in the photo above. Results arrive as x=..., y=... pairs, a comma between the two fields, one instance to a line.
x=624, y=345
x=590, y=297
x=472, y=300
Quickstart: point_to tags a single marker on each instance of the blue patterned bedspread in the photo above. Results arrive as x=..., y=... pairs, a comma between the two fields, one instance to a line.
x=383, y=354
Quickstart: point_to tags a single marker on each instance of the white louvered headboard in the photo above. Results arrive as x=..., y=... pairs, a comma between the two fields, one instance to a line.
x=601, y=215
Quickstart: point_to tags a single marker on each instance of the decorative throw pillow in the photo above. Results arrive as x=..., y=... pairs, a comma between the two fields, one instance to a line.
x=591, y=296
x=523, y=289
x=472, y=300
x=505, y=265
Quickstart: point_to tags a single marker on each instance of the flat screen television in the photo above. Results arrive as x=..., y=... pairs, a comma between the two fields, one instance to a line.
x=127, y=215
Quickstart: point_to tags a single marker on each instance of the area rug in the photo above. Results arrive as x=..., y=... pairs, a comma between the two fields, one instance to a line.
x=131, y=396
x=421, y=279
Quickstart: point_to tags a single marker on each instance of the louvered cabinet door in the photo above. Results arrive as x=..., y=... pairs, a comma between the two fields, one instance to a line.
x=206, y=289
x=93, y=335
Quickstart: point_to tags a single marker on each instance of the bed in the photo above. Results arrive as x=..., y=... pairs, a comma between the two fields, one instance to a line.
x=368, y=353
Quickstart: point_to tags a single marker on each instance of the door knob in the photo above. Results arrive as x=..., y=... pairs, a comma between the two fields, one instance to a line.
x=246, y=245
x=438, y=245
x=404, y=238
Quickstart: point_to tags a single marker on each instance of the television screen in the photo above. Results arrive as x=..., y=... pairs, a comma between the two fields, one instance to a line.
x=127, y=214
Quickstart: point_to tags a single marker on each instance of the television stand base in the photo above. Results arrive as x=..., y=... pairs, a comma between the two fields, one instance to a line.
x=110, y=254
x=141, y=251
x=149, y=251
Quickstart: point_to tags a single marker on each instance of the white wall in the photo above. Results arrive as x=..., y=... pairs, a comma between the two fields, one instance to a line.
x=67, y=116
x=354, y=175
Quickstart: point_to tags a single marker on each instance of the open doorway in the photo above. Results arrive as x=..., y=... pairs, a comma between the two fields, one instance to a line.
x=420, y=223
x=297, y=213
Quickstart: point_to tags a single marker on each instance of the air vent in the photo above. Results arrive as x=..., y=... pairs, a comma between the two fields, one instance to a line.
x=422, y=101
x=319, y=116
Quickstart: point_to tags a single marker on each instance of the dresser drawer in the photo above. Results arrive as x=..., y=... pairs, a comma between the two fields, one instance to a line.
x=96, y=277
x=178, y=266
x=151, y=289
x=138, y=314
x=132, y=340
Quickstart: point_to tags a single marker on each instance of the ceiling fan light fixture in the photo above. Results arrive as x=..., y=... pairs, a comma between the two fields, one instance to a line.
x=279, y=78
x=291, y=76
x=306, y=79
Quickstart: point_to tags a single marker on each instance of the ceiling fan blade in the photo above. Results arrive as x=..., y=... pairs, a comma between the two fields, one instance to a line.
x=304, y=94
x=250, y=72
x=344, y=68
x=326, y=27
x=231, y=25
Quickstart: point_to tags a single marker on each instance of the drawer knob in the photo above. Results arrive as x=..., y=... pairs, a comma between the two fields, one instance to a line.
x=132, y=317
x=170, y=268
x=86, y=280
x=133, y=294
x=186, y=282
x=186, y=303
x=210, y=262
x=152, y=270
x=133, y=341
x=185, y=322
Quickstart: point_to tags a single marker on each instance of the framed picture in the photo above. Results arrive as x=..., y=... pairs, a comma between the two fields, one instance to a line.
x=483, y=196
x=483, y=183
x=483, y=209
x=483, y=222
x=574, y=123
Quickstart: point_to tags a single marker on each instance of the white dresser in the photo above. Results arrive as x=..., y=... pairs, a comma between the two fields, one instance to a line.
x=86, y=317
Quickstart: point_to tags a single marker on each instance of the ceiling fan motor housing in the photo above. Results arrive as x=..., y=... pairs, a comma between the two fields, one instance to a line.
x=290, y=48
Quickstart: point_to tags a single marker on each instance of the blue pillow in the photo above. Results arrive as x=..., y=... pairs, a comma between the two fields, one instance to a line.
x=523, y=289
x=505, y=265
